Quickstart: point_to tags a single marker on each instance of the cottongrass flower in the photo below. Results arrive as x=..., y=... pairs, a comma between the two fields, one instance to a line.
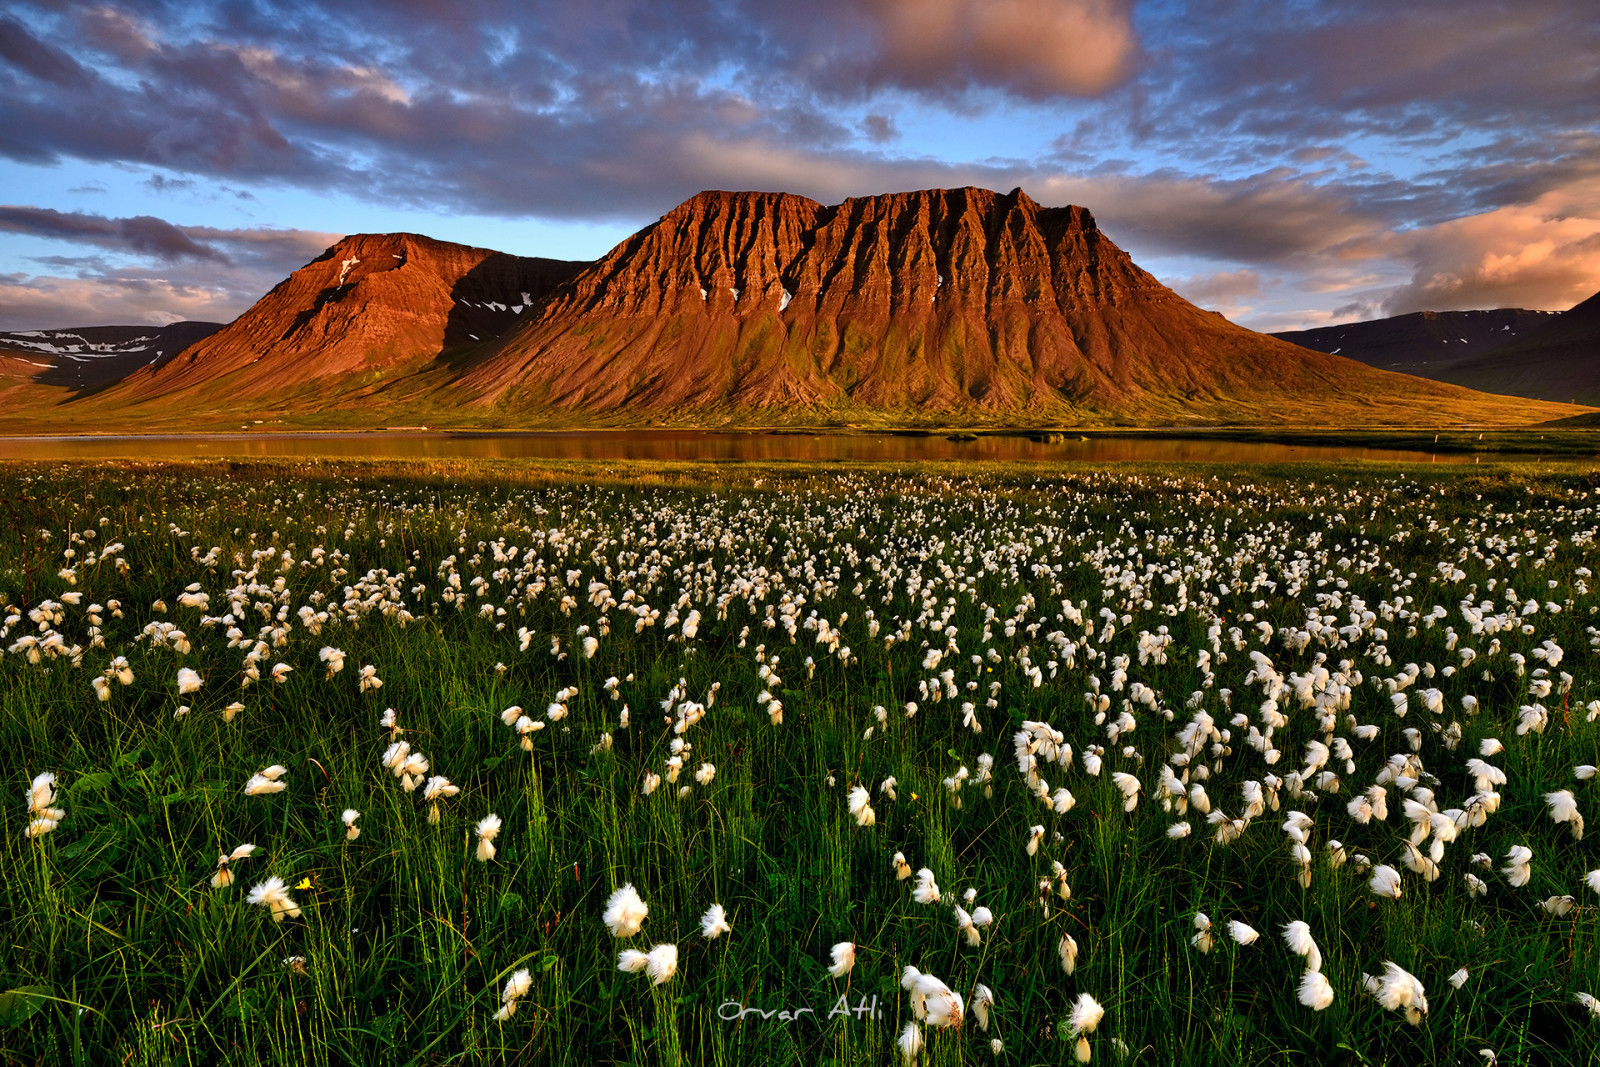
x=652, y=781
x=1085, y=1017
x=861, y=807
x=334, y=658
x=369, y=679
x=267, y=781
x=927, y=890
x=625, y=912
x=517, y=987
x=1564, y=809
x=966, y=926
x=1399, y=990
x=1202, y=937
x=1315, y=991
x=844, y=958
x=487, y=829
x=1242, y=933
x=1068, y=951
x=1297, y=935
x=902, y=869
x=272, y=894
x=1129, y=786
x=1459, y=978
x=714, y=923
x=232, y=711
x=351, y=830
x=910, y=1042
x=189, y=681
x=41, y=799
x=1520, y=866
x=1385, y=881
x=659, y=964
x=1559, y=906
x=224, y=876
x=982, y=1000
x=1590, y=1002
x=1592, y=880
x=437, y=789
x=931, y=1000
x=1035, y=835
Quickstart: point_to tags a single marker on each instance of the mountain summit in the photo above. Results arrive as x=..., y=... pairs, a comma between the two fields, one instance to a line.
x=961, y=302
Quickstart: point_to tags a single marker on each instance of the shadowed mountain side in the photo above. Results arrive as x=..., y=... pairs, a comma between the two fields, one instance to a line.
x=964, y=303
x=1560, y=361
x=370, y=305
x=88, y=358
x=1422, y=343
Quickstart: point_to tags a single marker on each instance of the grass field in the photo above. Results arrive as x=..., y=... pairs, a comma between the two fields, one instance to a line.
x=1115, y=704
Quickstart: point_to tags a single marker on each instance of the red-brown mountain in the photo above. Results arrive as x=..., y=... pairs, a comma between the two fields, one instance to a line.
x=371, y=303
x=958, y=304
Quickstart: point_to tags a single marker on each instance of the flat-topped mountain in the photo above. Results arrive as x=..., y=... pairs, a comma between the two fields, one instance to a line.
x=945, y=306
x=370, y=305
x=962, y=303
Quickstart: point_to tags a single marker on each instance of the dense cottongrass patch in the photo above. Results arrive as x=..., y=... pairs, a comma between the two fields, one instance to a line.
x=332, y=764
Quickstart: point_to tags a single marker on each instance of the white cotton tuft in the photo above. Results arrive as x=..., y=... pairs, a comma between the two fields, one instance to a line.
x=625, y=912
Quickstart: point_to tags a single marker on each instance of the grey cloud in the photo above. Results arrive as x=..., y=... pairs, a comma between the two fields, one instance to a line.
x=140, y=234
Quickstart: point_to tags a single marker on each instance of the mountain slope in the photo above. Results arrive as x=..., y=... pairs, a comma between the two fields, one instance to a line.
x=370, y=305
x=1424, y=342
x=961, y=305
x=1560, y=361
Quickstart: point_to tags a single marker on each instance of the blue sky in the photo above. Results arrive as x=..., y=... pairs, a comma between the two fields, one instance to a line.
x=1288, y=162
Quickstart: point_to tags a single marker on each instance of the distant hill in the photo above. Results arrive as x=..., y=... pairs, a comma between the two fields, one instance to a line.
x=1424, y=342
x=86, y=358
x=1559, y=361
x=946, y=304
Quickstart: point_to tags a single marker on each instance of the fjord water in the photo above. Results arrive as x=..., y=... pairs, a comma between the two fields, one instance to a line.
x=687, y=445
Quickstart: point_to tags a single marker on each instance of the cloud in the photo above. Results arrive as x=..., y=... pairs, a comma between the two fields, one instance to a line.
x=238, y=266
x=1335, y=146
x=1034, y=49
x=1223, y=291
x=1544, y=255
x=140, y=234
x=54, y=302
x=160, y=183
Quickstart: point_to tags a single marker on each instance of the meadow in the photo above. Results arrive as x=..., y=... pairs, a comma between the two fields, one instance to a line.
x=357, y=763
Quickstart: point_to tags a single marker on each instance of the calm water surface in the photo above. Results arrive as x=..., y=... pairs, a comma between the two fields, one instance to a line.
x=688, y=445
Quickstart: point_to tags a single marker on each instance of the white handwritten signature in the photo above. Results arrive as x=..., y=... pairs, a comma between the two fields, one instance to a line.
x=732, y=1011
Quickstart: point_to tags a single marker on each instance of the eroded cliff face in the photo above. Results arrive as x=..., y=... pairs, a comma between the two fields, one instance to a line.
x=941, y=300
x=372, y=302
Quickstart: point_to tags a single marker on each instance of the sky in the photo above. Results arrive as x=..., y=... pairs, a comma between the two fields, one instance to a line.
x=1290, y=163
